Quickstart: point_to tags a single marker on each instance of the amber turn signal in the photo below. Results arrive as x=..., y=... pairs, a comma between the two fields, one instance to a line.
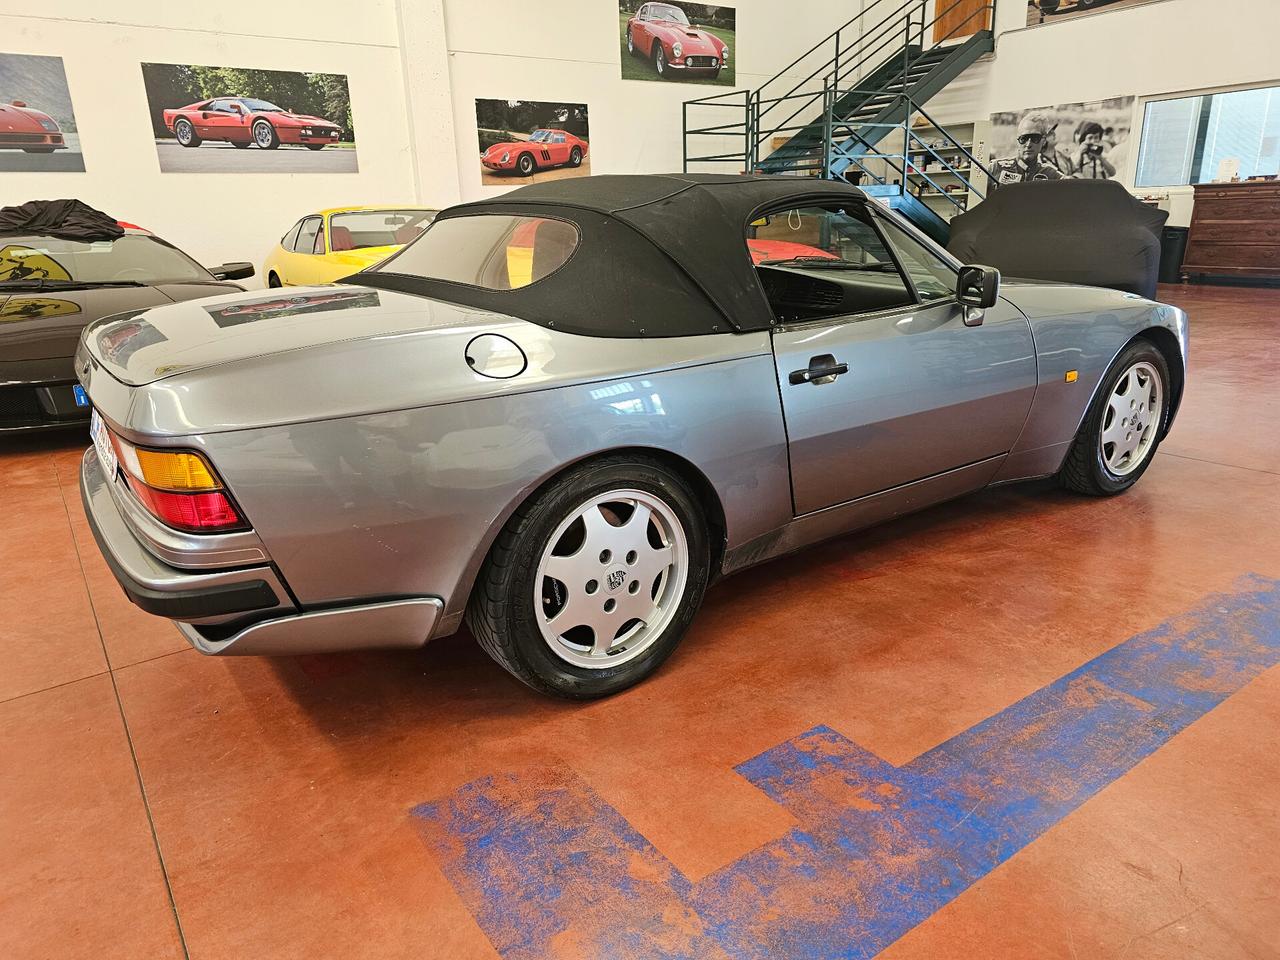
x=179, y=471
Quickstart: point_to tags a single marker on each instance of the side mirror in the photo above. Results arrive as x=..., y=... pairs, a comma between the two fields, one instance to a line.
x=233, y=271
x=978, y=286
x=18, y=103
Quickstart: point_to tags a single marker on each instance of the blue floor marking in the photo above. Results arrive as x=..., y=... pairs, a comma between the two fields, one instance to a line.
x=549, y=869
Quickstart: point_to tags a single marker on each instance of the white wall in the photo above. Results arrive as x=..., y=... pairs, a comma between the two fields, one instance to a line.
x=568, y=50
x=215, y=217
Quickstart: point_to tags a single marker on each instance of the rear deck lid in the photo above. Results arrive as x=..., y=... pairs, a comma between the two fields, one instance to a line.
x=153, y=344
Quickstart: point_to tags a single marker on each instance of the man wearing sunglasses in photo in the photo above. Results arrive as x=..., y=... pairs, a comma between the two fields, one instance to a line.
x=1029, y=164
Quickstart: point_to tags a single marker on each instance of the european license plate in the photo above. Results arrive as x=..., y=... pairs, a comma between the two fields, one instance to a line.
x=82, y=398
x=102, y=443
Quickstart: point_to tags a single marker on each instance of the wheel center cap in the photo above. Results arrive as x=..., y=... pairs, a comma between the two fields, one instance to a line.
x=614, y=581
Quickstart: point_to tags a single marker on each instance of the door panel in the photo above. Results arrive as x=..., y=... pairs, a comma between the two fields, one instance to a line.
x=963, y=18
x=923, y=394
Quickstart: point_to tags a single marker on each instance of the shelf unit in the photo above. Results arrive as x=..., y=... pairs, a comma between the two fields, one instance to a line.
x=925, y=163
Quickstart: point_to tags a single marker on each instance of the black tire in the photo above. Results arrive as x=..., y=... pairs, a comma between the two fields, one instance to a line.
x=631, y=43
x=575, y=157
x=1085, y=470
x=659, y=59
x=501, y=613
x=186, y=133
x=526, y=165
x=273, y=280
x=315, y=146
x=37, y=149
x=265, y=136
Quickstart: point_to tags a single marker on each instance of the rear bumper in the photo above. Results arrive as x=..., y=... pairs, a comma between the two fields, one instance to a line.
x=246, y=610
x=156, y=587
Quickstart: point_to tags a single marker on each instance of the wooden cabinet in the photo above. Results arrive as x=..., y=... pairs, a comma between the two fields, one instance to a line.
x=1235, y=231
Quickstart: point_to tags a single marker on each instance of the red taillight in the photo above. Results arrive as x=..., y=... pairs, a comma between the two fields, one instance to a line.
x=197, y=512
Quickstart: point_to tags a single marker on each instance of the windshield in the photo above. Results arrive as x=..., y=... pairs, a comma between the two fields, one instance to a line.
x=540, y=136
x=493, y=251
x=260, y=106
x=131, y=258
x=660, y=11
x=376, y=228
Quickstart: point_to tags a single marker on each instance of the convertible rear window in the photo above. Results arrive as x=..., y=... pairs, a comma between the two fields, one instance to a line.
x=492, y=251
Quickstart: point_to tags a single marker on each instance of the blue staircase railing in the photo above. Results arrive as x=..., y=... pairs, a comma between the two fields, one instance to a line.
x=835, y=103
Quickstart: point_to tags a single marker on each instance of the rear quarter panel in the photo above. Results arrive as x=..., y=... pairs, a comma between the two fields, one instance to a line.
x=1081, y=329
x=408, y=503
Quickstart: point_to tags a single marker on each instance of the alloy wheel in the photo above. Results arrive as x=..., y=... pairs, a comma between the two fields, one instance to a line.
x=1131, y=423
x=611, y=578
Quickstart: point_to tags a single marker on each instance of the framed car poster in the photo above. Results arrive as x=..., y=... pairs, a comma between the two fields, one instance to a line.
x=527, y=141
x=237, y=120
x=1041, y=12
x=677, y=41
x=37, y=125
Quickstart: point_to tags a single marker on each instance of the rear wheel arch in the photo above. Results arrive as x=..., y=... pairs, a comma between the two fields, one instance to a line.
x=708, y=499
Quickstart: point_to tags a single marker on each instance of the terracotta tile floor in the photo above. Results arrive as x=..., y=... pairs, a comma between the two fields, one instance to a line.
x=155, y=803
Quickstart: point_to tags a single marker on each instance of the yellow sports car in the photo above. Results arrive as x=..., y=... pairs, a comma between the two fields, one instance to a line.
x=324, y=247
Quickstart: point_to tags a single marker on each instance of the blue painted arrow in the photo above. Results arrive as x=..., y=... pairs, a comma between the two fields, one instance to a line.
x=549, y=869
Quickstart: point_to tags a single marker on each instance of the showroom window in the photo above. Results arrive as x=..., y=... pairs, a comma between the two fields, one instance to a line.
x=1185, y=140
x=494, y=251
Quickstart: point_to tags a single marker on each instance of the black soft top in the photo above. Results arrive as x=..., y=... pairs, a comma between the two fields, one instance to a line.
x=660, y=255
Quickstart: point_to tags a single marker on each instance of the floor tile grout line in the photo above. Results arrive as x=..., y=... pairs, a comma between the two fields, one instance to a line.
x=91, y=676
x=128, y=735
x=1219, y=463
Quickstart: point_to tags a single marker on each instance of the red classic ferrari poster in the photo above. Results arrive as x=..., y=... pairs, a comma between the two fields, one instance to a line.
x=238, y=120
x=37, y=124
x=691, y=42
x=525, y=141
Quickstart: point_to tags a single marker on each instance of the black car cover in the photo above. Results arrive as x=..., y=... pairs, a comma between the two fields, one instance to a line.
x=65, y=219
x=1091, y=232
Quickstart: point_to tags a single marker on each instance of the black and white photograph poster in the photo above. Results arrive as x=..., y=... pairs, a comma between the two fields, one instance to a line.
x=37, y=125
x=1083, y=141
x=1055, y=11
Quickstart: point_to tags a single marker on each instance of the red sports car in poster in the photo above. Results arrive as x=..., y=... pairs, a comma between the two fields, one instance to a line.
x=242, y=121
x=23, y=128
x=662, y=34
x=544, y=148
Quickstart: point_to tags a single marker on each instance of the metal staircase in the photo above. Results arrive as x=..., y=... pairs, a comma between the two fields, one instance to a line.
x=831, y=112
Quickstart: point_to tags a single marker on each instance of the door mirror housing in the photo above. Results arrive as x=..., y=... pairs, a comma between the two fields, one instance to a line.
x=18, y=103
x=232, y=271
x=978, y=286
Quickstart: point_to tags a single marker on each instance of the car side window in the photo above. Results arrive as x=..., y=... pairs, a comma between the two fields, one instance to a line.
x=558, y=138
x=290, y=240
x=933, y=277
x=306, y=241
x=820, y=261
x=318, y=245
x=644, y=13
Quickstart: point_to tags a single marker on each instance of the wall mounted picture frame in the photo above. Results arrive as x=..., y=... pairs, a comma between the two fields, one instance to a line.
x=678, y=42
x=38, y=132
x=1043, y=12
x=1082, y=141
x=527, y=141
x=220, y=119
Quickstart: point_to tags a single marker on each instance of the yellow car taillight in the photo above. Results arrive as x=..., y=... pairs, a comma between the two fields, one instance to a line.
x=177, y=471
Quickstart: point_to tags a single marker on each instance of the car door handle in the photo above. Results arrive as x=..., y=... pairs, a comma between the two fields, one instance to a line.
x=822, y=369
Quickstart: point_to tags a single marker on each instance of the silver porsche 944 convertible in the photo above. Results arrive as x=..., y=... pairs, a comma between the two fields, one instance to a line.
x=560, y=414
